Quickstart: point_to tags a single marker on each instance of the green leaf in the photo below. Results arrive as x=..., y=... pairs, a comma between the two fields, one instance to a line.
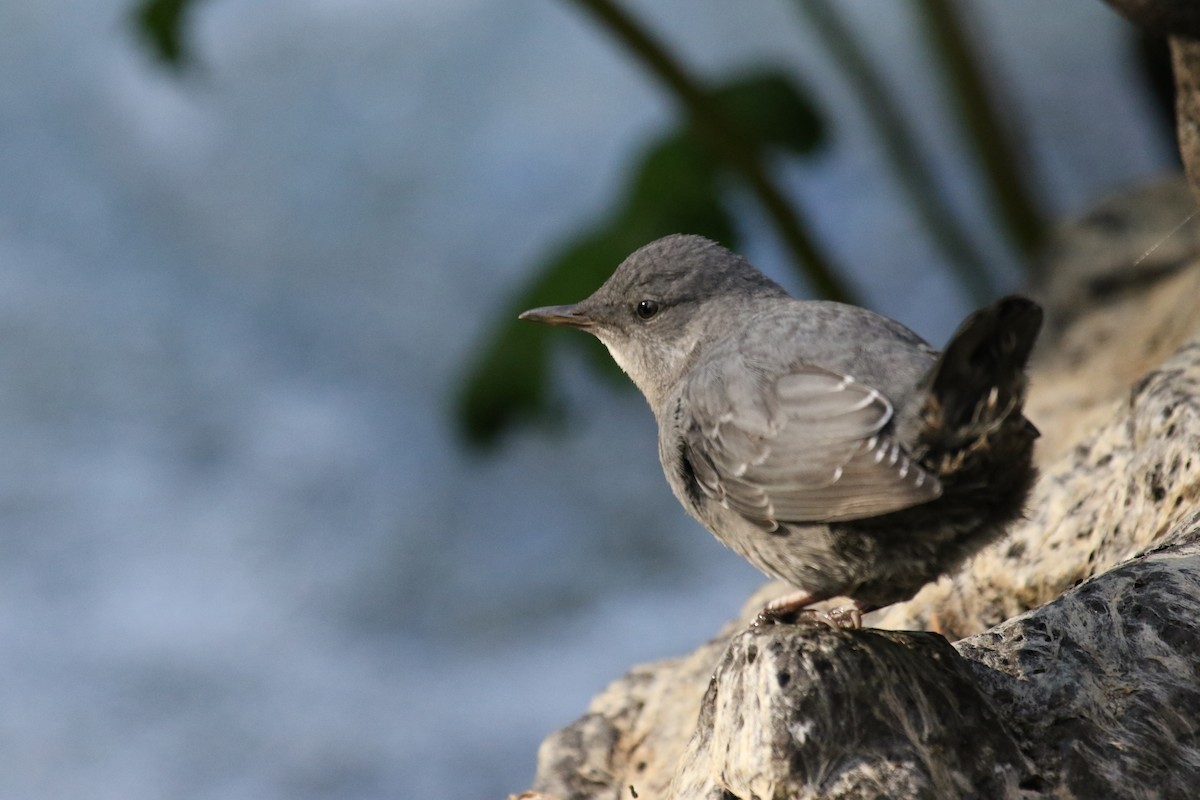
x=507, y=382
x=770, y=110
x=161, y=24
x=673, y=189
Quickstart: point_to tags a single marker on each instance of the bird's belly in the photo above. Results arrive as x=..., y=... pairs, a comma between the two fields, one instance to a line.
x=806, y=556
x=877, y=561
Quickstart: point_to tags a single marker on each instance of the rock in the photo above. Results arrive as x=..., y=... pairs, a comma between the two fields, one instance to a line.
x=808, y=711
x=1102, y=686
x=634, y=733
x=1116, y=394
x=1081, y=673
x=1185, y=62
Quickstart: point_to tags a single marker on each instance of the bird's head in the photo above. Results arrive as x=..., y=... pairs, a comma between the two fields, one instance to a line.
x=662, y=305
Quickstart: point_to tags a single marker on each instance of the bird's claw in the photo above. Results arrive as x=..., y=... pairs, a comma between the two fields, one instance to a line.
x=843, y=617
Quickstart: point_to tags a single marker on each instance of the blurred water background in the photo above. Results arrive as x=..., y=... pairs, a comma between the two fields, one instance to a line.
x=243, y=551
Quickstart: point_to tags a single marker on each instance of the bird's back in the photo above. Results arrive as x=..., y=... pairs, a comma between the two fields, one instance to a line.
x=869, y=347
x=791, y=417
x=802, y=439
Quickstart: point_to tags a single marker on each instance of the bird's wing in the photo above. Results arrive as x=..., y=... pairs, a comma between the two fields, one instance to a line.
x=807, y=445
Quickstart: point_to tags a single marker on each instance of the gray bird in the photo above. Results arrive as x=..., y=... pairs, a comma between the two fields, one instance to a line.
x=830, y=446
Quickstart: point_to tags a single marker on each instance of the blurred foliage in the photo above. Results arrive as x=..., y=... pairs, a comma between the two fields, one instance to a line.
x=161, y=23
x=507, y=382
x=912, y=169
x=675, y=186
x=743, y=155
x=990, y=134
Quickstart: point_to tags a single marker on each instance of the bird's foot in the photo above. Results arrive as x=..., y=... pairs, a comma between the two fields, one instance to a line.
x=849, y=616
x=785, y=609
x=793, y=608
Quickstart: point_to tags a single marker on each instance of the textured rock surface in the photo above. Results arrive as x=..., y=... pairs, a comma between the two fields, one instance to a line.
x=634, y=733
x=849, y=714
x=1094, y=691
x=1102, y=686
x=1185, y=61
x=1116, y=395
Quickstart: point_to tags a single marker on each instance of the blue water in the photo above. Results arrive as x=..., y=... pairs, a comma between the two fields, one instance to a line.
x=242, y=554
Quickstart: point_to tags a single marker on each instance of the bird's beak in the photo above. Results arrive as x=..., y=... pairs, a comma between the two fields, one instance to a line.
x=570, y=316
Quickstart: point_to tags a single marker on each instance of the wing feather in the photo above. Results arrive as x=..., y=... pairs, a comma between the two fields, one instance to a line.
x=809, y=445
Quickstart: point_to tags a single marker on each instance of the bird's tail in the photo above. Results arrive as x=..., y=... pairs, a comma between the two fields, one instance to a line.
x=978, y=384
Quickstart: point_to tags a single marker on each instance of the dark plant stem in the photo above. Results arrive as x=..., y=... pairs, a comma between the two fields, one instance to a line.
x=900, y=147
x=744, y=158
x=984, y=127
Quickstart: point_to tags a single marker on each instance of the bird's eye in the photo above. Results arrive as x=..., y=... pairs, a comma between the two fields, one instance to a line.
x=647, y=308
